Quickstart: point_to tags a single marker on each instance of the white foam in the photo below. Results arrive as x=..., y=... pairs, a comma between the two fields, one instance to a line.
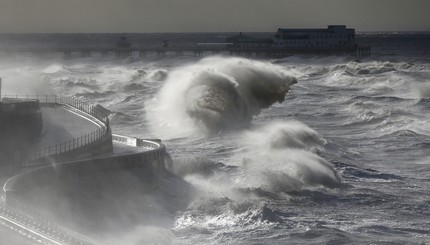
x=222, y=91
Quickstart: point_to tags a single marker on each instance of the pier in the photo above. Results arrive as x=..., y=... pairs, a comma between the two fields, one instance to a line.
x=333, y=40
x=195, y=50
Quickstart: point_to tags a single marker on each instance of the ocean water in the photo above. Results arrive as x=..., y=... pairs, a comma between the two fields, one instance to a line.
x=300, y=150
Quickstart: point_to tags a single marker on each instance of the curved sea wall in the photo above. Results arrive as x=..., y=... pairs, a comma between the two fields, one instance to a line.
x=82, y=193
x=92, y=144
x=62, y=174
x=77, y=185
x=95, y=144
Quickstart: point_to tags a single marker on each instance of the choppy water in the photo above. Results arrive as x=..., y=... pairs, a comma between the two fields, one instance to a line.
x=343, y=159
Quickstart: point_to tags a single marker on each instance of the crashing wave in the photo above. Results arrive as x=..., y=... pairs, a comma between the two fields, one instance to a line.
x=281, y=157
x=220, y=93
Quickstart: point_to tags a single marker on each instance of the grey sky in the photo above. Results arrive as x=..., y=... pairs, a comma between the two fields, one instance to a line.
x=210, y=15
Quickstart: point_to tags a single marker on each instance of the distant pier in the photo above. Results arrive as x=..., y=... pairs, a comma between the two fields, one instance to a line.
x=196, y=51
x=333, y=40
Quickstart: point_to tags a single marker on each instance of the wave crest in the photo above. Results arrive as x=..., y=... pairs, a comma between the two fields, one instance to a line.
x=281, y=157
x=219, y=93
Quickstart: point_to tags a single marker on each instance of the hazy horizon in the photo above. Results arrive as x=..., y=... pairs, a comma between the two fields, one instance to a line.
x=200, y=32
x=189, y=16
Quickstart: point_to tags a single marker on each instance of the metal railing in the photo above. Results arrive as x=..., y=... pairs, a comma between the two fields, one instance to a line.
x=64, y=100
x=19, y=212
x=26, y=157
x=151, y=144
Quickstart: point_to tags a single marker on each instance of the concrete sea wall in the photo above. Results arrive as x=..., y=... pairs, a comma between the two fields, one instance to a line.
x=69, y=173
x=92, y=194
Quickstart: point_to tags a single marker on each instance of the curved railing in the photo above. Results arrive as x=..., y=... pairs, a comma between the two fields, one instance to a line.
x=156, y=151
x=153, y=158
x=25, y=157
x=64, y=100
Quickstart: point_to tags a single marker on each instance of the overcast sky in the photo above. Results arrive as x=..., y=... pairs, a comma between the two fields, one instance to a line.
x=210, y=15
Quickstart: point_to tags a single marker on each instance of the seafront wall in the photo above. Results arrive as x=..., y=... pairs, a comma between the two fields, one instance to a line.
x=88, y=145
x=82, y=188
x=151, y=160
x=57, y=188
x=94, y=144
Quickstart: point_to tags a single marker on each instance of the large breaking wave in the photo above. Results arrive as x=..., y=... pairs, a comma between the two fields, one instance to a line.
x=217, y=93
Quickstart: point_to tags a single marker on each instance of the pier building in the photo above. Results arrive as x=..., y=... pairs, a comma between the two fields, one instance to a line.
x=333, y=40
x=334, y=36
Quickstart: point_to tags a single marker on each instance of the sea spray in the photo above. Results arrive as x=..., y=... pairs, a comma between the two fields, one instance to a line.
x=280, y=156
x=216, y=93
x=270, y=162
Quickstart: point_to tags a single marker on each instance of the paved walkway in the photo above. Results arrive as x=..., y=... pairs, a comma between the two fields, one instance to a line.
x=61, y=124
x=10, y=237
x=38, y=230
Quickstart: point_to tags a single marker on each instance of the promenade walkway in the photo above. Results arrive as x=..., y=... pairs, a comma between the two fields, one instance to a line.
x=74, y=128
x=9, y=236
x=61, y=124
x=37, y=230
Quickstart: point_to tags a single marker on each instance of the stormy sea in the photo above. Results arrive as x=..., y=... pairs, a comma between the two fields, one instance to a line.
x=300, y=150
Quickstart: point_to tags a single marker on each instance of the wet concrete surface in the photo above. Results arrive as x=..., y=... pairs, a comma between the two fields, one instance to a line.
x=61, y=124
